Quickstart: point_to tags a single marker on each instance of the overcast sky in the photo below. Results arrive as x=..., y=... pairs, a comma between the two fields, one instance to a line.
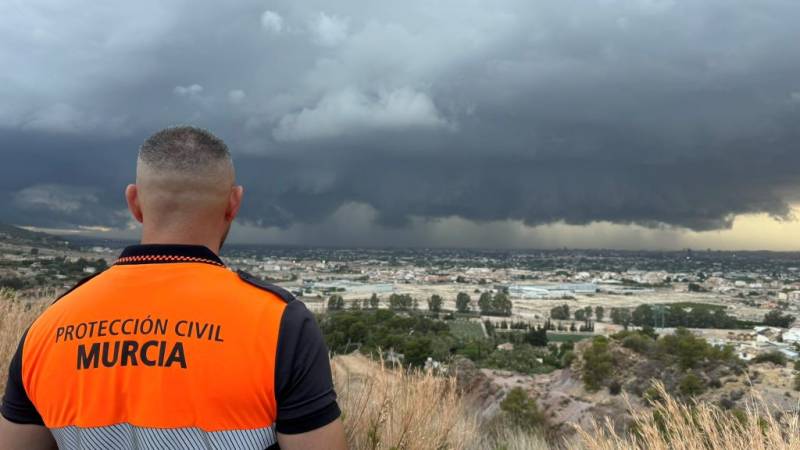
x=612, y=123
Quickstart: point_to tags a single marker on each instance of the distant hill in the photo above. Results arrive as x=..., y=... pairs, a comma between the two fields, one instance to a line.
x=17, y=235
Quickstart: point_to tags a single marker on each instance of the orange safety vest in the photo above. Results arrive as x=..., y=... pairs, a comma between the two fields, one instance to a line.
x=168, y=348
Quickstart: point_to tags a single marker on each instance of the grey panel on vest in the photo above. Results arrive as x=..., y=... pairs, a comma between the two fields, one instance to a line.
x=124, y=436
x=263, y=285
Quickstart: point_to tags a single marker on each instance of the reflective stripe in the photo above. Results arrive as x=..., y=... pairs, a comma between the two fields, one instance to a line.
x=164, y=258
x=125, y=436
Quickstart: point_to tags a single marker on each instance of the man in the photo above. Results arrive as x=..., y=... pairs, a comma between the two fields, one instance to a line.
x=168, y=348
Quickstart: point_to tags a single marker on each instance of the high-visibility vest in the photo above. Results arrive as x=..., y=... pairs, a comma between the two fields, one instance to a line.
x=168, y=348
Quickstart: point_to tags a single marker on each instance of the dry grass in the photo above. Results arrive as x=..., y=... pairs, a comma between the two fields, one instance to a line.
x=392, y=409
x=701, y=426
x=511, y=439
x=387, y=409
x=15, y=317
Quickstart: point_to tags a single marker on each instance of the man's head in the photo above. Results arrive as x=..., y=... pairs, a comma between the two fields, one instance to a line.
x=185, y=188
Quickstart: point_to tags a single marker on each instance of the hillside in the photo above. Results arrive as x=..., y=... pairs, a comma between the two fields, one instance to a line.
x=391, y=409
x=21, y=236
x=386, y=407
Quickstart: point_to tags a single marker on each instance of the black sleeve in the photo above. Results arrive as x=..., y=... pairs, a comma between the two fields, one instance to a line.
x=17, y=407
x=303, y=382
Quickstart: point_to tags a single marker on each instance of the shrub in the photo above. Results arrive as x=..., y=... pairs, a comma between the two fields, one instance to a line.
x=521, y=410
x=597, y=364
x=688, y=349
x=774, y=357
x=523, y=359
x=637, y=342
x=775, y=318
x=691, y=385
x=568, y=358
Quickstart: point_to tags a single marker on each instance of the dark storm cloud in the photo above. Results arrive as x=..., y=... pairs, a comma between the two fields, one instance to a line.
x=630, y=111
x=52, y=180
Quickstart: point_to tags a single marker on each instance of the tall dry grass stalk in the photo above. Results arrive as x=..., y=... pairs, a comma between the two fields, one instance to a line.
x=15, y=317
x=514, y=439
x=701, y=426
x=393, y=409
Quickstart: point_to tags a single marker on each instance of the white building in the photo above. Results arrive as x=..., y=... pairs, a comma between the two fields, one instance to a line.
x=352, y=287
x=565, y=290
x=792, y=335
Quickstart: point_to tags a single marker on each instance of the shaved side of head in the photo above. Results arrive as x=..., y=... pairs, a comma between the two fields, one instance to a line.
x=183, y=175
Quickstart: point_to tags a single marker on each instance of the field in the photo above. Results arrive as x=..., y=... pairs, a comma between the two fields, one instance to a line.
x=566, y=337
x=466, y=329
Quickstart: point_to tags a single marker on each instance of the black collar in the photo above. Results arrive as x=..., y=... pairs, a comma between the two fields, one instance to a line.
x=168, y=253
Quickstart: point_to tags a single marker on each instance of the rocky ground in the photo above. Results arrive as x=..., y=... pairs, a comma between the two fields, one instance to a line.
x=565, y=402
x=559, y=394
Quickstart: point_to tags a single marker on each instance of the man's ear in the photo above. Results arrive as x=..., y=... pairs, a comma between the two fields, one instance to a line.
x=132, y=197
x=234, y=202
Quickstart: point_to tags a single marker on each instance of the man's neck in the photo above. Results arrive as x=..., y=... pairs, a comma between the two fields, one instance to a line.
x=151, y=237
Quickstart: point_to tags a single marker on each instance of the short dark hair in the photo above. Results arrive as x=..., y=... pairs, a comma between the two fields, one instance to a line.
x=183, y=147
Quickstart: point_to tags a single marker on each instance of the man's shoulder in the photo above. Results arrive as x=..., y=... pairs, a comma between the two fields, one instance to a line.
x=242, y=279
x=273, y=289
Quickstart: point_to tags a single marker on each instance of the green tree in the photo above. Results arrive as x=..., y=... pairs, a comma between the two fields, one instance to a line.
x=521, y=410
x=485, y=303
x=401, y=302
x=417, y=350
x=599, y=312
x=580, y=315
x=621, y=316
x=775, y=318
x=373, y=301
x=642, y=315
x=501, y=304
x=597, y=364
x=560, y=312
x=687, y=348
x=357, y=332
x=537, y=337
x=435, y=303
x=335, y=302
x=463, y=302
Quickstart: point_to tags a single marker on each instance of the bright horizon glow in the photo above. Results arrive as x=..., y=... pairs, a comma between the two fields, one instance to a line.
x=754, y=231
